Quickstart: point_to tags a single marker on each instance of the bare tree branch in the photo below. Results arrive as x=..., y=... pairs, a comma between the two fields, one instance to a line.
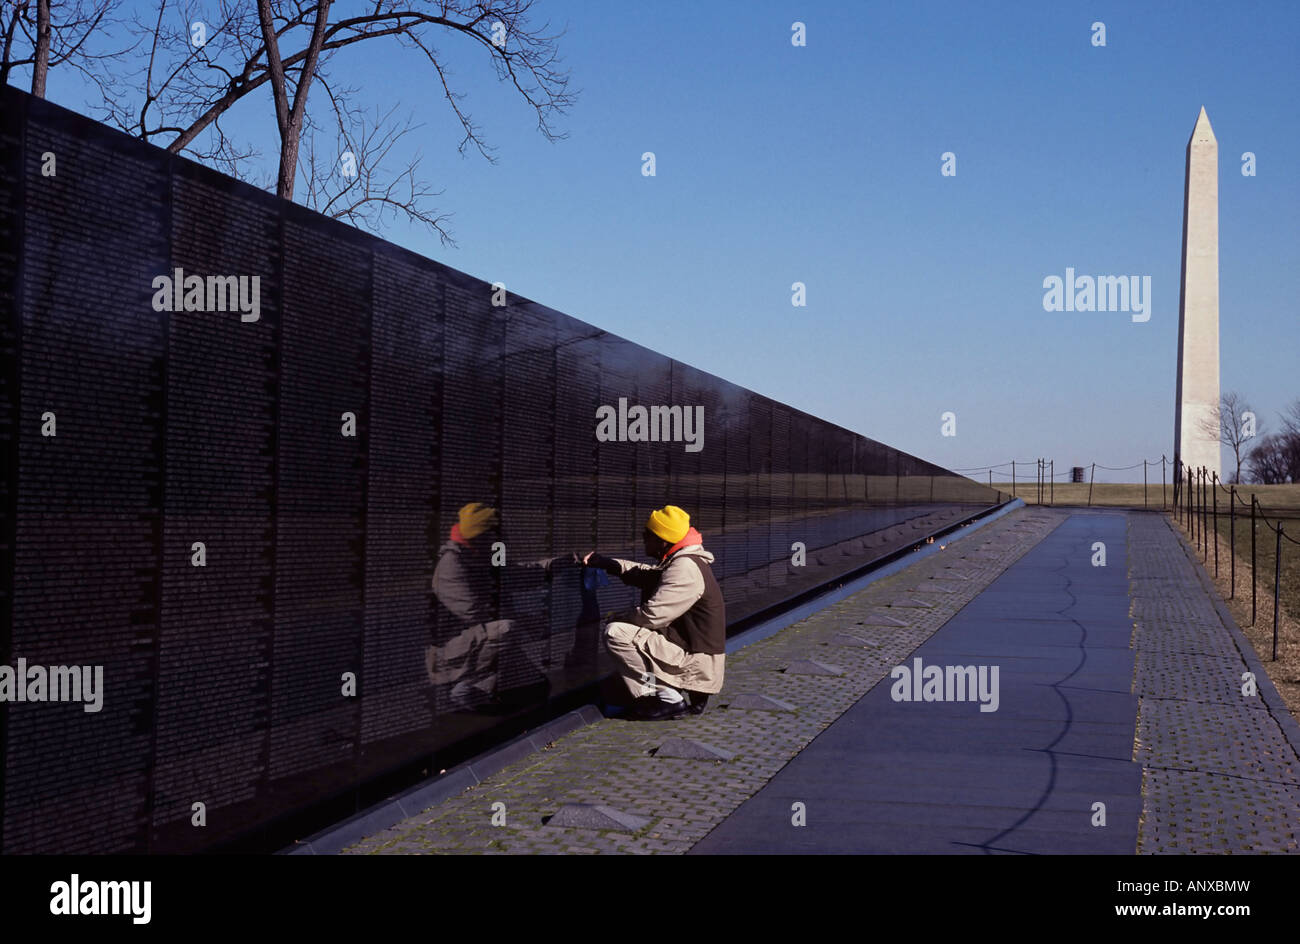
x=363, y=199
x=17, y=12
x=284, y=46
x=53, y=33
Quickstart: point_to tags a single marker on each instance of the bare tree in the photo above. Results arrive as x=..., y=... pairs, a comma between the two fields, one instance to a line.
x=287, y=45
x=1290, y=439
x=1290, y=418
x=1233, y=424
x=45, y=33
x=1267, y=461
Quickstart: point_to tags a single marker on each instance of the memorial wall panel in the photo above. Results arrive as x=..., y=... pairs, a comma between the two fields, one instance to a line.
x=311, y=507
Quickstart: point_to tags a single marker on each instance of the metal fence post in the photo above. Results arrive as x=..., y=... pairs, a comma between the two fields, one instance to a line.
x=1090, y=481
x=1144, y=483
x=1051, y=491
x=1164, y=503
x=1254, y=562
x=1013, y=478
x=1205, y=513
x=1277, y=585
x=1179, y=497
x=1200, y=508
x=1205, y=538
x=1214, y=493
x=1232, y=540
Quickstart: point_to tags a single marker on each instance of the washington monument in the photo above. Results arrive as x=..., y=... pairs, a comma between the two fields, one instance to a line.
x=1196, y=439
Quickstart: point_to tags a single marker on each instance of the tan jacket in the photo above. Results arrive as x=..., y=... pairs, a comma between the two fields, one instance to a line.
x=685, y=613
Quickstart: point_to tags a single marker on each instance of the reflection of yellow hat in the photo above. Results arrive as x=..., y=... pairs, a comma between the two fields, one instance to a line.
x=475, y=518
x=669, y=523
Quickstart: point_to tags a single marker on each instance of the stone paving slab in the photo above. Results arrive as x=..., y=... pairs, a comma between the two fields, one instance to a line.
x=916, y=768
x=611, y=763
x=1043, y=744
x=913, y=838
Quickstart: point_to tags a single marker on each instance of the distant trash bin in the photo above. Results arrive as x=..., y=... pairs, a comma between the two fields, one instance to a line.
x=1076, y=474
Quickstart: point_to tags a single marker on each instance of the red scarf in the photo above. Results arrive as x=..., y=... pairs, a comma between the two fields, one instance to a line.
x=692, y=537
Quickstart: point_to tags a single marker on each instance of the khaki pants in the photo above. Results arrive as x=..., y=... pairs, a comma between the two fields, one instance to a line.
x=648, y=660
x=469, y=658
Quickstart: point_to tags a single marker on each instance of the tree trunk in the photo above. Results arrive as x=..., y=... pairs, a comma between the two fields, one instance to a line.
x=41, y=67
x=288, y=163
x=290, y=121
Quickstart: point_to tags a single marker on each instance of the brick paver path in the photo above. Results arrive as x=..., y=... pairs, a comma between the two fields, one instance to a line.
x=1220, y=774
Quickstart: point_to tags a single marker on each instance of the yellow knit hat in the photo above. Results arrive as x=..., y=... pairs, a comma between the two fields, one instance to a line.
x=669, y=523
x=475, y=518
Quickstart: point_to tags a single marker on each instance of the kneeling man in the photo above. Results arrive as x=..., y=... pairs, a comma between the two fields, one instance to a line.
x=671, y=649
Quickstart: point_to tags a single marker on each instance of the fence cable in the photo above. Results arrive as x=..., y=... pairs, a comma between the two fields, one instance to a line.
x=1261, y=511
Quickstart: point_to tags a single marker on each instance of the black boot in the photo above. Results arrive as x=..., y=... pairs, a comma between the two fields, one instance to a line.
x=696, y=702
x=654, y=708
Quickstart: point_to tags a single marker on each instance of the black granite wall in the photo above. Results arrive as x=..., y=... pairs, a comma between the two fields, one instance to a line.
x=186, y=504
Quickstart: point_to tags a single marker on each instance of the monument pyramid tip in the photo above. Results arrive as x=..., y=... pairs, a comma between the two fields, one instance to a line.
x=1203, y=128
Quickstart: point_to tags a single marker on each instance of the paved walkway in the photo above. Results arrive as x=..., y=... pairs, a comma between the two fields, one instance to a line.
x=947, y=777
x=807, y=731
x=1221, y=768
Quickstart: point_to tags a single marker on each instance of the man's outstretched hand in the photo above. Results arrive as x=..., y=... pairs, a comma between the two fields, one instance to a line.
x=607, y=564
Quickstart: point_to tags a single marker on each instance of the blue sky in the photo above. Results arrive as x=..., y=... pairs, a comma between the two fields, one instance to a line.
x=821, y=164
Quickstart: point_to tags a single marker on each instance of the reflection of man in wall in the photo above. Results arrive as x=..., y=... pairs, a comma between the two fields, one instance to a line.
x=671, y=649
x=462, y=582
